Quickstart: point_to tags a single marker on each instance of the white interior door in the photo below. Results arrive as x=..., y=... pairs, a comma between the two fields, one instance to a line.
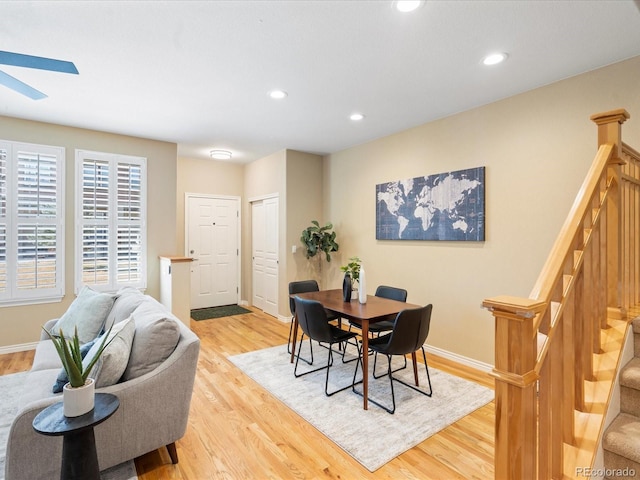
x=257, y=253
x=264, y=226
x=212, y=241
x=271, y=257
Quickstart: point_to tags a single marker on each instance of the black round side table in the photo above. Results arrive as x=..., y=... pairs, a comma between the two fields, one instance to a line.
x=79, y=456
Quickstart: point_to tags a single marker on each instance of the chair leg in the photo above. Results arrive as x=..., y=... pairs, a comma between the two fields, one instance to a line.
x=375, y=357
x=344, y=350
x=295, y=369
x=289, y=344
x=392, y=379
x=355, y=374
x=393, y=395
x=419, y=390
x=329, y=364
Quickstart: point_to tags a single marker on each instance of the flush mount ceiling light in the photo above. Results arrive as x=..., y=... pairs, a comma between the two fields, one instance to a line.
x=494, y=58
x=356, y=117
x=277, y=94
x=406, y=6
x=221, y=154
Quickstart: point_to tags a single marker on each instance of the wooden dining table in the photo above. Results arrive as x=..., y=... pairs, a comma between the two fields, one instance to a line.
x=376, y=309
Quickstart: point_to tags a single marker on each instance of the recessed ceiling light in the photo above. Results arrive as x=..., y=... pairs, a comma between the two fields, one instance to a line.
x=221, y=154
x=356, y=117
x=406, y=6
x=277, y=94
x=494, y=58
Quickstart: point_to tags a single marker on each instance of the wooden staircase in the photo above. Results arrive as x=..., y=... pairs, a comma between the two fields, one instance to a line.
x=557, y=353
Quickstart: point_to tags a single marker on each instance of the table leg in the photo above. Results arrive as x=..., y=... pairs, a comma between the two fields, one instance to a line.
x=365, y=363
x=293, y=337
x=79, y=456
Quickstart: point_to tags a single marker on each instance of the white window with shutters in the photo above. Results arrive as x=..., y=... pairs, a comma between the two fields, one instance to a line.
x=31, y=223
x=111, y=234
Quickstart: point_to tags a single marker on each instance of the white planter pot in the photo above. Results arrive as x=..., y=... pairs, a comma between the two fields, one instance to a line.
x=78, y=401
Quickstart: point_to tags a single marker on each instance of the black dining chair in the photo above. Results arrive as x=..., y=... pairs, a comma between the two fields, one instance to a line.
x=376, y=328
x=410, y=331
x=312, y=318
x=392, y=293
x=304, y=286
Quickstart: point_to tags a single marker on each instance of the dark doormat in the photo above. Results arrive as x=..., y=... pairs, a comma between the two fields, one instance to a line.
x=217, y=312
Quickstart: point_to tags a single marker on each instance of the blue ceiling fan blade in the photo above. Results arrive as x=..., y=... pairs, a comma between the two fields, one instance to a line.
x=20, y=87
x=41, y=63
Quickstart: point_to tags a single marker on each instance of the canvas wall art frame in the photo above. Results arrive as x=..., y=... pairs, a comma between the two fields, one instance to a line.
x=445, y=206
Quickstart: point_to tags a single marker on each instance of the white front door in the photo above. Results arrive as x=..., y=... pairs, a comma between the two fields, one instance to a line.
x=212, y=241
x=264, y=225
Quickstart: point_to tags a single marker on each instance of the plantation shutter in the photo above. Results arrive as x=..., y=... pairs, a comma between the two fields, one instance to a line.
x=129, y=223
x=36, y=226
x=3, y=221
x=31, y=223
x=95, y=217
x=112, y=228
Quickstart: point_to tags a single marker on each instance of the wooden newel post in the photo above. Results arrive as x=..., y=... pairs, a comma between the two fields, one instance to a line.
x=515, y=360
x=610, y=132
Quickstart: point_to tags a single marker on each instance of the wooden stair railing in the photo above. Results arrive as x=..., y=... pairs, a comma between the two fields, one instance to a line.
x=545, y=345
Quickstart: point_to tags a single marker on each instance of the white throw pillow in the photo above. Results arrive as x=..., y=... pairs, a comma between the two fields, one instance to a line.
x=113, y=361
x=87, y=312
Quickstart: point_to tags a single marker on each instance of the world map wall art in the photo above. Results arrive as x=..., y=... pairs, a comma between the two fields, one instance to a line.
x=444, y=206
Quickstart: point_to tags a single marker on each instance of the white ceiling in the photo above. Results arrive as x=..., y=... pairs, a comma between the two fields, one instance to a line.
x=198, y=73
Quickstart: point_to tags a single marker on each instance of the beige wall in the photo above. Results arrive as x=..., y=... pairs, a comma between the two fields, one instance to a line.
x=304, y=203
x=296, y=178
x=536, y=148
x=20, y=325
x=264, y=177
x=210, y=177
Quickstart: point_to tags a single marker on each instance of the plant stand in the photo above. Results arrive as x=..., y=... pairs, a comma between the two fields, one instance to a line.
x=79, y=455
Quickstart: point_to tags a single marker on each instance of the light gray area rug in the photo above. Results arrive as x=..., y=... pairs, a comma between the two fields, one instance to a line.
x=341, y=417
x=10, y=387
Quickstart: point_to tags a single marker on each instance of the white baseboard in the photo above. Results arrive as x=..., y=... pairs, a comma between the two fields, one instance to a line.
x=21, y=347
x=454, y=357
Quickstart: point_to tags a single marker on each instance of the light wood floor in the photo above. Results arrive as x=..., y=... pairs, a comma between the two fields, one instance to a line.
x=239, y=431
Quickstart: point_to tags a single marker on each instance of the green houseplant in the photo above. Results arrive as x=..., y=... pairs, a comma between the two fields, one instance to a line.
x=352, y=268
x=71, y=357
x=318, y=239
x=78, y=394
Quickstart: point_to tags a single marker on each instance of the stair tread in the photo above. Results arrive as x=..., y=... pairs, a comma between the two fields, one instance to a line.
x=630, y=375
x=623, y=437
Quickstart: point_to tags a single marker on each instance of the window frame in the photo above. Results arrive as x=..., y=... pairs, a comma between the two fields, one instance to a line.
x=112, y=223
x=12, y=295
